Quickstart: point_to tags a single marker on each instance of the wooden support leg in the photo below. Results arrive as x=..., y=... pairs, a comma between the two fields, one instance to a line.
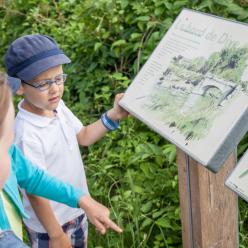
x=209, y=210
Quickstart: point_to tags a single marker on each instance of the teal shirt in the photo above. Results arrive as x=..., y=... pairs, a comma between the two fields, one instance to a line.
x=35, y=181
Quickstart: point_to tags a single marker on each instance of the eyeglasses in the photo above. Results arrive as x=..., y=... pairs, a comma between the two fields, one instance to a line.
x=44, y=85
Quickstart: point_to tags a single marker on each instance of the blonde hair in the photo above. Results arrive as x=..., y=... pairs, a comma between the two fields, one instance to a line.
x=4, y=99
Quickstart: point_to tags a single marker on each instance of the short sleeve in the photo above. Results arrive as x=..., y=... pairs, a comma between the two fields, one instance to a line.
x=71, y=118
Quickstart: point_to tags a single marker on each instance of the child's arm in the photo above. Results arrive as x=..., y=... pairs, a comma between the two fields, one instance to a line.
x=44, y=212
x=95, y=131
x=35, y=181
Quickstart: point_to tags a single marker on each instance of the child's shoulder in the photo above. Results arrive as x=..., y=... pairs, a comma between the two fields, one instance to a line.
x=25, y=128
x=27, y=119
x=21, y=122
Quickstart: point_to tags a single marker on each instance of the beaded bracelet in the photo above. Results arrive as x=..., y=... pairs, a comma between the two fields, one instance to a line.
x=108, y=123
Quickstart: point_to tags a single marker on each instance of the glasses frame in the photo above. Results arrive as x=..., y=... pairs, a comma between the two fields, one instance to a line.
x=38, y=85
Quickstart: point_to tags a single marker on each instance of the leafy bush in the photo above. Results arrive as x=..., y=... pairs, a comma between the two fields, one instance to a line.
x=132, y=170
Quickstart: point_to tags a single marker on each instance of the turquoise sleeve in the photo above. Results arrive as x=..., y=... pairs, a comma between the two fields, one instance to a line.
x=37, y=182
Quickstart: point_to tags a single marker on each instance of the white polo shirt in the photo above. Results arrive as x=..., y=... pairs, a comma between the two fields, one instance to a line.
x=51, y=144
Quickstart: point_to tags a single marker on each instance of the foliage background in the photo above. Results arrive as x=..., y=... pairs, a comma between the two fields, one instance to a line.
x=132, y=170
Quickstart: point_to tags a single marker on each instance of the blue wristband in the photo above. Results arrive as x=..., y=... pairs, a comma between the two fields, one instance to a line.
x=108, y=123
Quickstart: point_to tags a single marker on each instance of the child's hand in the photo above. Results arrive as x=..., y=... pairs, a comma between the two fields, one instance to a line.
x=98, y=215
x=117, y=112
x=60, y=241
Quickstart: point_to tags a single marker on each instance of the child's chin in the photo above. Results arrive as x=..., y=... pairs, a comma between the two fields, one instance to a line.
x=53, y=105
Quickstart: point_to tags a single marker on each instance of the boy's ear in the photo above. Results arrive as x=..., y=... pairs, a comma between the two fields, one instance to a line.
x=20, y=91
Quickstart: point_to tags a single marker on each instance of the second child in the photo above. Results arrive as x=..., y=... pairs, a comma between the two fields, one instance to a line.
x=48, y=133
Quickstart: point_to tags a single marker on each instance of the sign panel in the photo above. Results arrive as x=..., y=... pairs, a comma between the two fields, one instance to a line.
x=193, y=88
x=237, y=181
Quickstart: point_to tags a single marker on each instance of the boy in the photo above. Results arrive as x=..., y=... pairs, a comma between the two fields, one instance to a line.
x=48, y=134
x=21, y=173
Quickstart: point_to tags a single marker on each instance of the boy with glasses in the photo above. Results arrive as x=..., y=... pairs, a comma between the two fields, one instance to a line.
x=18, y=172
x=48, y=134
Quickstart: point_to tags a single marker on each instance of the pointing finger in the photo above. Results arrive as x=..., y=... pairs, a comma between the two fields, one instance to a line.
x=110, y=224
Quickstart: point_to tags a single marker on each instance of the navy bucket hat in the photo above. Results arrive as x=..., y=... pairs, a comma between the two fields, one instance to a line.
x=30, y=55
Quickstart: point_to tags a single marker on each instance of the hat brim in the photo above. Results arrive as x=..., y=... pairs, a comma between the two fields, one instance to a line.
x=14, y=83
x=36, y=68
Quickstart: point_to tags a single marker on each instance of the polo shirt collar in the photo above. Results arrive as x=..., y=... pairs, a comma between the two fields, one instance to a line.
x=37, y=120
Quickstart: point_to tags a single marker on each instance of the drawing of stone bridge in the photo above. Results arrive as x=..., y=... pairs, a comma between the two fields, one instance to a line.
x=209, y=82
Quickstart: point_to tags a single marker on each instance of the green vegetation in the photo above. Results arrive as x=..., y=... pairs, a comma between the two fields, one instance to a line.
x=132, y=170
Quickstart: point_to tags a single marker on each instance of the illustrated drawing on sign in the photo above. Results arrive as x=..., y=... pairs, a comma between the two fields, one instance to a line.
x=193, y=88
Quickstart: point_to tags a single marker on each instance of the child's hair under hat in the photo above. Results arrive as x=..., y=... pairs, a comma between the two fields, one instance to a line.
x=14, y=83
x=30, y=55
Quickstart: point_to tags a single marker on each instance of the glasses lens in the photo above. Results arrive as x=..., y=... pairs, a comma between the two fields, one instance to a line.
x=44, y=86
x=60, y=79
x=64, y=77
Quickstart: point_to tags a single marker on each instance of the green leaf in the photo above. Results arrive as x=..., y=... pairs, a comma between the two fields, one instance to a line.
x=238, y=11
x=127, y=193
x=168, y=5
x=135, y=36
x=145, y=167
x=143, y=18
x=118, y=43
x=138, y=189
x=163, y=222
x=179, y=4
x=172, y=157
x=124, y=3
x=97, y=46
x=158, y=213
x=203, y=5
x=146, y=222
x=146, y=207
x=224, y=3
x=159, y=11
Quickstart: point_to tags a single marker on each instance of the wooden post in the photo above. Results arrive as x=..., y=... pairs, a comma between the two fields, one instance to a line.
x=209, y=210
